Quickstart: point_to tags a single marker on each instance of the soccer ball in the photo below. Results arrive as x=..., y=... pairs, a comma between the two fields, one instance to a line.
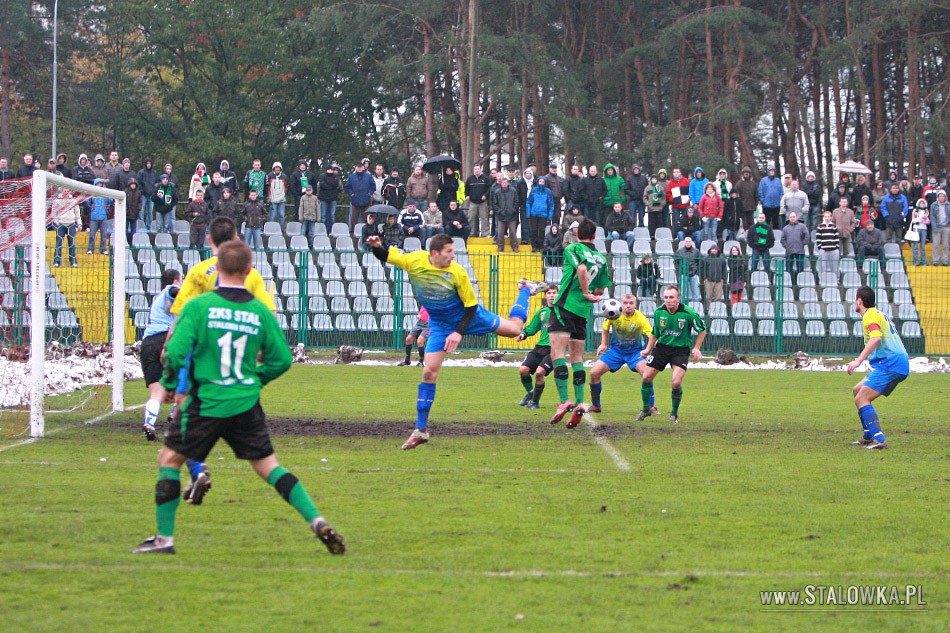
x=612, y=309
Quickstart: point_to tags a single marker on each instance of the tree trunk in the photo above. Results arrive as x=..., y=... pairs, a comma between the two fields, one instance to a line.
x=5, y=140
x=470, y=105
x=428, y=114
x=917, y=165
x=878, y=107
x=626, y=108
x=638, y=67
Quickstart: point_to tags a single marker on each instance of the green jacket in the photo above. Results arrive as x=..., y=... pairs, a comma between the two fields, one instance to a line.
x=615, y=186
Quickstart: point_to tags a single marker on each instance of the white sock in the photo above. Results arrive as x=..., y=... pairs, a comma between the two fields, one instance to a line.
x=152, y=407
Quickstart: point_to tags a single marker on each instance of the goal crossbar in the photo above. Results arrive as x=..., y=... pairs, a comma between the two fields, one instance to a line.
x=42, y=179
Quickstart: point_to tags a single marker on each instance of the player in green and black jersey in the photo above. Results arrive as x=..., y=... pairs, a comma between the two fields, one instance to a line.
x=672, y=338
x=582, y=284
x=538, y=360
x=223, y=332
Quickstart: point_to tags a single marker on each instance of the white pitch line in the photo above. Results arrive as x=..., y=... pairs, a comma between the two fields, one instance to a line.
x=98, y=418
x=622, y=464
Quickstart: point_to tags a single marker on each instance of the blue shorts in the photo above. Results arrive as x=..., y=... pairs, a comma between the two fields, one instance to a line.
x=617, y=357
x=484, y=322
x=883, y=381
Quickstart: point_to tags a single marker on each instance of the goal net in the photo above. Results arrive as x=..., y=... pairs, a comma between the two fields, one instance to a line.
x=63, y=307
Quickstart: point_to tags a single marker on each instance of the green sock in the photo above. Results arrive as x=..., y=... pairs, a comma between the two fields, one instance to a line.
x=293, y=492
x=646, y=392
x=677, y=396
x=580, y=377
x=560, y=383
x=526, y=383
x=167, y=498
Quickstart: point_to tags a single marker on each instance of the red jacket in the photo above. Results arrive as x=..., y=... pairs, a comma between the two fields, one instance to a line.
x=710, y=206
x=677, y=193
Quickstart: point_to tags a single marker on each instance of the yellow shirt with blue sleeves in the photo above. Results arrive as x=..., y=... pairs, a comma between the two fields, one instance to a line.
x=203, y=277
x=445, y=292
x=890, y=354
x=629, y=331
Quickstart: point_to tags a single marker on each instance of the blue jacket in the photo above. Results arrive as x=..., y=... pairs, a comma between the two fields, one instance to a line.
x=100, y=206
x=361, y=188
x=771, y=191
x=894, y=210
x=697, y=186
x=540, y=203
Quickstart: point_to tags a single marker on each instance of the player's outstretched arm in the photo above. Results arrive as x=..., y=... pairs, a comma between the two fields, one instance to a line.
x=603, y=341
x=649, y=348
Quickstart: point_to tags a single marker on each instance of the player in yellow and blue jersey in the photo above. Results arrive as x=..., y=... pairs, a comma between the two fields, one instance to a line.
x=443, y=287
x=890, y=366
x=622, y=340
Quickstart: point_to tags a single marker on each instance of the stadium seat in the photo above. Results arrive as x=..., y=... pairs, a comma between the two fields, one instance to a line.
x=151, y=270
x=344, y=243
x=806, y=295
x=719, y=327
x=907, y=312
x=460, y=246
x=641, y=248
x=412, y=244
x=293, y=229
x=190, y=258
x=280, y=257
x=335, y=289
x=850, y=294
x=181, y=226
x=275, y=242
x=766, y=327
x=278, y=304
x=903, y=296
x=791, y=329
x=292, y=305
x=357, y=229
x=790, y=310
x=741, y=310
x=835, y=310
x=727, y=247
x=815, y=329
x=344, y=322
x=828, y=280
x=619, y=247
x=619, y=290
x=340, y=305
x=761, y=293
x=911, y=329
x=322, y=323
x=168, y=258
x=553, y=275
x=140, y=240
x=664, y=247
x=143, y=255
x=387, y=323
x=384, y=305
x=600, y=244
x=664, y=233
x=357, y=289
x=892, y=251
x=299, y=243
x=380, y=289
x=812, y=310
x=895, y=266
x=899, y=281
x=376, y=272
x=622, y=275
x=806, y=279
x=331, y=272
x=66, y=318
x=318, y=304
x=600, y=234
x=764, y=310
x=338, y=229
x=698, y=307
x=140, y=320
x=760, y=278
x=846, y=266
x=463, y=259
x=858, y=328
x=886, y=309
x=133, y=286
x=367, y=323
x=57, y=301
x=718, y=310
x=285, y=271
x=705, y=245
x=353, y=273
x=838, y=329
x=647, y=307
x=153, y=287
x=641, y=233
x=742, y=327
x=830, y=295
x=322, y=243
x=271, y=228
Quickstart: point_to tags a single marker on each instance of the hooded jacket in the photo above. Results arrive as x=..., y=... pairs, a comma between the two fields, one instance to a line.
x=308, y=207
x=360, y=187
x=199, y=180
x=147, y=178
x=299, y=181
x=748, y=194
x=504, y=203
x=940, y=214
x=394, y=191
x=697, y=185
x=723, y=184
x=328, y=187
x=229, y=178
x=165, y=197
x=677, y=192
x=711, y=206
x=894, y=210
x=654, y=197
x=277, y=186
x=614, y=185
x=812, y=189
x=540, y=203
x=133, y=201
x=448, y=190
x=84, y=173
x=100, y=206
x=771, y=191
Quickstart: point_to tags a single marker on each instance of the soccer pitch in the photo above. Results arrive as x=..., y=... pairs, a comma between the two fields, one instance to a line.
x=501, y=522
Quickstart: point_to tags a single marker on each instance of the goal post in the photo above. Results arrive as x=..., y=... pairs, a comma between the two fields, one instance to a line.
x=42, y=180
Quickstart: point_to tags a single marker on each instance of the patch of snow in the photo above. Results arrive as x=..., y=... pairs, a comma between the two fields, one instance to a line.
x=62, y=376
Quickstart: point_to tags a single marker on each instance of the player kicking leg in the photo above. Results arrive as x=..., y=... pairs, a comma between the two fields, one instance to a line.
x=446, y=291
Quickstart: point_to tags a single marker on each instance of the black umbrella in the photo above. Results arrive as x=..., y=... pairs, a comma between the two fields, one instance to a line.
x=437, y=164
x=382, y=209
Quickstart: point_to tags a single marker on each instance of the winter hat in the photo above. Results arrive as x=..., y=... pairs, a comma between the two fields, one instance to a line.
x=100, y=157
x=302, y=161
x=224, y=166
x=722, y=171
x=637, y=166
x=771, y=167
x=921, y=204
x=82, y=156
x=810, y=174
x=746, y=170
x=276, y=165
x=662, y=172
x=575, y=225
x=542, y=179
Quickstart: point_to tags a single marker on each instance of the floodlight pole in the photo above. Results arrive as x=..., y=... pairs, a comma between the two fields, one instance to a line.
x=55, y=30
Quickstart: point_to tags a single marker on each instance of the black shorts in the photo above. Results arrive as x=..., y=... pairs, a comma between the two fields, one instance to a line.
x=566, y=321
x=150, y=355
x=664, y=355
x=194, y=435
x=540, y=356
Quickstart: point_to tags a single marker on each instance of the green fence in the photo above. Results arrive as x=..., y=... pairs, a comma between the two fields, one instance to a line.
x=327, y=298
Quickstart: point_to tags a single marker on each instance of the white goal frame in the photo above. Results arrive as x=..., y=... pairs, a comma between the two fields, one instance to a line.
x=41, y=179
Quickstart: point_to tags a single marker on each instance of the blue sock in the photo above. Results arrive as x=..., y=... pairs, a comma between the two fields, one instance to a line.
x=871, y=423
x=652, y=399
x=864, y=426
x=595, y=389
x=194, y=468
x=520, y=309
x=423, y=404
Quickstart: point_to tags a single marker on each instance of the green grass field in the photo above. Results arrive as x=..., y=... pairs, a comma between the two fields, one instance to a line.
x=501, y=522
